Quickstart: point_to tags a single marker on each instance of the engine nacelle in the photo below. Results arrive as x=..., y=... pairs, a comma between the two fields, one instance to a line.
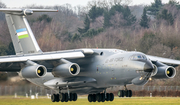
x=163, y=71
x=154, y=72
x=33, y=71
x=66, y=70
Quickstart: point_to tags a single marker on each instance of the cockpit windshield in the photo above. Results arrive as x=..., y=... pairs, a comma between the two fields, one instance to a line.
x=138, y=57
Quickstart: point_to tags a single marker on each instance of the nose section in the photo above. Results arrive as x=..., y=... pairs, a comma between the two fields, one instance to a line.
x=148, y=67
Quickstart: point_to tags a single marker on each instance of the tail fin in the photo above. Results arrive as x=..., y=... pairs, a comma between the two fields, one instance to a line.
x=21, y=34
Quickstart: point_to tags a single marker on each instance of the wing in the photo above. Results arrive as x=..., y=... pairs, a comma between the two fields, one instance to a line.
x=14, y=63
x=170, y=62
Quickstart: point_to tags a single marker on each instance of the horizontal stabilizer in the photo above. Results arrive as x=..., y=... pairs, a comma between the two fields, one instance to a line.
x=22, y=10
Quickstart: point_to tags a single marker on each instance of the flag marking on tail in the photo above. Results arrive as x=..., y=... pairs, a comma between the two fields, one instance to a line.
x=22, y=33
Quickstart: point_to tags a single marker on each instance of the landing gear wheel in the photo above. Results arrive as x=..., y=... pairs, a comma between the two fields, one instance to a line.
x=98, y=97
x=121, y=93
x=94, y=97
x=111, y=96
x=66, y=97
x=103, y=97
x=71, y=97
x=53, y=98
x=57, y=97
x=130, y=93
x=74, y=97
x=107, y=96
x=62, y=97
x=90, y=97
x=127, y=93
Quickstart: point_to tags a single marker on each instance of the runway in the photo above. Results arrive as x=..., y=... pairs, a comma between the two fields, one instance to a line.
x=10, y=100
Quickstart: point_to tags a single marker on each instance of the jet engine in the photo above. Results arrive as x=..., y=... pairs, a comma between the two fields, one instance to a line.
x=33, y=71
x=66, y=70
x=162, y=71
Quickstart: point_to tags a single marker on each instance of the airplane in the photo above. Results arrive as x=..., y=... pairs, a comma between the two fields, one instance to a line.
x=78, y=71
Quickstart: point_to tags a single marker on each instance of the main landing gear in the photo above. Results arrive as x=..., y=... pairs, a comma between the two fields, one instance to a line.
x=64, y=97
x=125, y=92
x=101, y=97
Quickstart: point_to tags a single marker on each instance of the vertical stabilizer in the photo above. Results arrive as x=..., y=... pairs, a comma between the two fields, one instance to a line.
x=21, y=34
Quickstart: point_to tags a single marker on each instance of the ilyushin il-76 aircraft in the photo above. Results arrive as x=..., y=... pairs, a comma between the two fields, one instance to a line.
x=78, y=71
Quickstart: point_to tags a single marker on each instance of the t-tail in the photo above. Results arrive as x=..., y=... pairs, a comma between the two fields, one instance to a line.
x=21, y=34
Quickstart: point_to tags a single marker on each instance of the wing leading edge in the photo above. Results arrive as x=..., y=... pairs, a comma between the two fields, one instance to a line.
x=41, y=57
x=70, y=54
x=164, y=60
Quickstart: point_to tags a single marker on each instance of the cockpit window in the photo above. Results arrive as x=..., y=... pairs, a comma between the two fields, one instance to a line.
x=138, y=57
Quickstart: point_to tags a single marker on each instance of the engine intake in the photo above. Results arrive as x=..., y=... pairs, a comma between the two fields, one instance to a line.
x=155, y=70
x=34, y=71
x=163, y=71
x=66, y=70
x=170, y=72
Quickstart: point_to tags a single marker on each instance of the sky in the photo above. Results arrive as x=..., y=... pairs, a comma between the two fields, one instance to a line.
x=22, y=3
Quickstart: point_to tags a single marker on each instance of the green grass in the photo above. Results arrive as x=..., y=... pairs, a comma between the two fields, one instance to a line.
x=84, y=101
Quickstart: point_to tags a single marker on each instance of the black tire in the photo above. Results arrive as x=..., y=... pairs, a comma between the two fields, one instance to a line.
x=98, y=97
x=53, y=98
x=75, y=97
x=130, y=93
x=57, y=97
x=127, y=93
x=107, y=96
x=71, y=97
x=121, y=93
x=90, y=97
x=94, y=97
x=111, y=96
x=62, y=97
x=103, y=97
x=66, y=97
